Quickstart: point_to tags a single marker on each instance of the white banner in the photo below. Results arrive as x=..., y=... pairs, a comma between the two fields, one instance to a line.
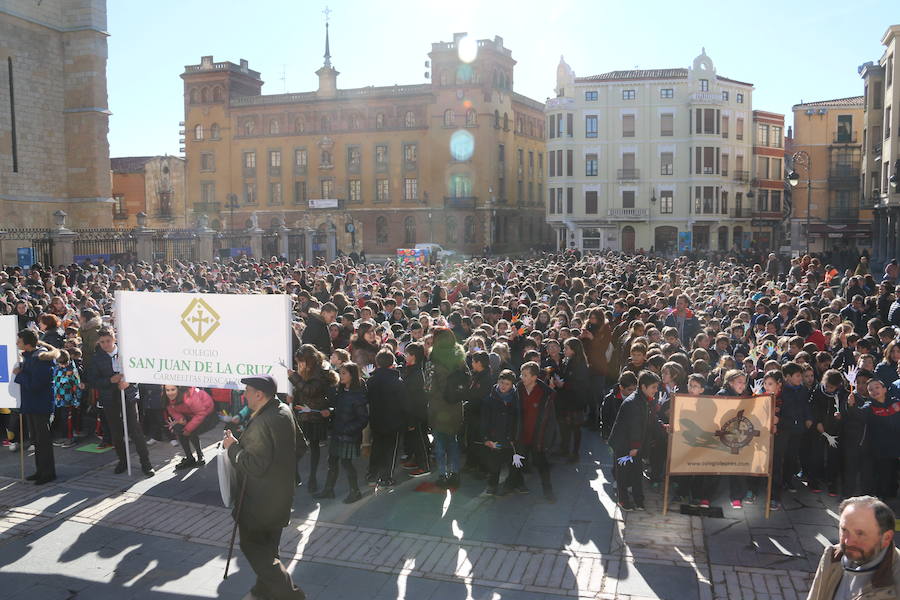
x=323, y=203
x=9, y=356
x=203, y=340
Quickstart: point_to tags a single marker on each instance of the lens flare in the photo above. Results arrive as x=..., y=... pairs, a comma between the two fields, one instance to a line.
x=462, y=145
x=467, y=48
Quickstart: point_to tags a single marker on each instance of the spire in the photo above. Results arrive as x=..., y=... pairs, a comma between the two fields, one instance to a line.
x=327, y=13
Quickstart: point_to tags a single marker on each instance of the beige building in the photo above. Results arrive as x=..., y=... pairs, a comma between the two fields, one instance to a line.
x=881, y=153
x=54, y=153
x=838, y=219
x=655, y=158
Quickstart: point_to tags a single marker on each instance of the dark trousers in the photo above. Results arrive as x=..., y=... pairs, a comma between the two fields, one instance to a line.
x=885, y=476
x=260, y=546
x=385, y=449
x=39, y=425
x=334, y=466
x=494, y=460
x=416, y=441
x=112, y=409
x=629, y=476
x=598, y=391
x=154, y=425
x=534, y=458
x=824, y=464
x=474, y=446
x=857, y=475
x=778, y=463
x=792, y=463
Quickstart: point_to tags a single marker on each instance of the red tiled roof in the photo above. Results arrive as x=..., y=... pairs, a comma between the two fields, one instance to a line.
x=129, y=164
x=851, y=101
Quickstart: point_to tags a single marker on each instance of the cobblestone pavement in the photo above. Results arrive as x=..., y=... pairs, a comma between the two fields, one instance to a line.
x=399, y=540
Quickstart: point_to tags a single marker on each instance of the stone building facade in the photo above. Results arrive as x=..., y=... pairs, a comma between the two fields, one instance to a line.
x=457, y=161
x=153, y=185
x=54, y=153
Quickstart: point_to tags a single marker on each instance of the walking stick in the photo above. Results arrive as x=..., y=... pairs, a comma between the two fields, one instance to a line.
x=125, y=425
x=237, y=516
x=22, y=446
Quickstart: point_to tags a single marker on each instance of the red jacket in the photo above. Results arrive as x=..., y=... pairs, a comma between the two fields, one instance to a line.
x=817, y=338
x=195, y=406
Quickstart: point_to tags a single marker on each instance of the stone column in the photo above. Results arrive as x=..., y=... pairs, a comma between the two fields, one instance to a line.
x=283, y=247
x=143, y=239
x=309, y=232
x=63, y=241
x=256, y=242
x=204, y=249
x=331, y=243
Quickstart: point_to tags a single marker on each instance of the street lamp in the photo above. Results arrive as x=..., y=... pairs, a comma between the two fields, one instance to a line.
x=650, y=221
x=801, y=159
x=232, y=205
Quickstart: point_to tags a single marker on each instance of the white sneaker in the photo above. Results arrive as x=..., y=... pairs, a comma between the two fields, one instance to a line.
x=174, y=443
x=150, y=441
x=13, y=446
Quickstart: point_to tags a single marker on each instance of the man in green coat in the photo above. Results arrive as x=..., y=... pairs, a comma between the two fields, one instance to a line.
x=265, y=460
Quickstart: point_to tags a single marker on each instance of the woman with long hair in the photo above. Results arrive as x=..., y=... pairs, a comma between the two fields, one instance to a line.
x=574, y=386
x=364, y=345
x=311, y=383
x=191, y=412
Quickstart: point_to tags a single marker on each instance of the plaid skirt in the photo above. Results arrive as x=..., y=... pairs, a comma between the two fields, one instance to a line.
x=343, y=449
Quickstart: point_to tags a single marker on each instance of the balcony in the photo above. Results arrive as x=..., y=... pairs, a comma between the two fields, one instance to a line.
x=706, y=98
x=628, y=174
x=742, y=176
x=876, y=149
x=207, y=208
x=460, y=202
x=843, y=214
x=844, y=137
x=627, y=214
x=843, y=176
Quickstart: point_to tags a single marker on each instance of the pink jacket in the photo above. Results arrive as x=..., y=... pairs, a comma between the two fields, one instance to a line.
x=195, y=407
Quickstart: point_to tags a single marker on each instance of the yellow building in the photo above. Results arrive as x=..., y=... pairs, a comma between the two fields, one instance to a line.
x=457, y=161
x=838, y=219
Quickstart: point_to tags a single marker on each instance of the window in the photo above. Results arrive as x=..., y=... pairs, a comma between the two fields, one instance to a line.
x=628, y=94
x=505, y=122
x=570, y=124
x=382, y=190
x=666, y=124
x=471, y=118
x=299, y=127
x=552, y=165
x=198, y=133
x=381, y=231
x=590, y=203
x=739, y=129
x=709, y=120
x=570, y=160
x=275, y=192
x=666, y=202
x=274, y=128
x=725, y=126
x=531, y=163
x=354, y=190
x=540, y=164
x=887, y=122
x=724, y=205
x=762, y=200
x=667, y=93
x=299, y=192
x=520, y=191
x=559, y=200
x=300, y=160
x=775, y=200
x=740, y=98
x=249, y=128
x=570, y=200
x=249, y=193
x=628, y=199
x=762, y=167
x=704, y=85
x=379, y=121
x=274, y=162
x=410, y=188
x=327, y=188
x=214, y=131
x=889, y=71
x=530, y=192
x=590, y=165
x=207, y=161
x=355, y=122
x=552, y=126
x=409, y=230
x=354, y=158
x=775, y=138
x=627, y=125
x=381, y=157
x=762, y=134
x=325, y=124
x=469, y=230
x=724, y=96
x=590, y=126
x=552, y=208
x=590, y=96
x=249, y=160
x=410, y=119
x=410, y=155
x=451, y=229
x=724, y=170
x=501, y=153
x=326, y=160
x=667, y=163
x=119, y=210
x=461, y=186
x=448, y=118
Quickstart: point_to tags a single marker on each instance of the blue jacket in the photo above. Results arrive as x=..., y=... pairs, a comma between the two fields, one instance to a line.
x=886, y=371
x=795, y=408
x=350, y=413
x=883, y=425
x=35, y=379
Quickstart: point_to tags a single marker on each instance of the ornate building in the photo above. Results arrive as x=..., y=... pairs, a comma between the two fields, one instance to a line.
x=457, y=161
x=54, y=153
x=153, y=185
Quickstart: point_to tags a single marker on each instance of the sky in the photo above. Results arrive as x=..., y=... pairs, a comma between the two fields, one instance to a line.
x=791, y=53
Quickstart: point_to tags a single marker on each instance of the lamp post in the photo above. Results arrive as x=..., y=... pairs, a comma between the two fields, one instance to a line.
x=650, y=221
x=801, y=159
x=232, y=205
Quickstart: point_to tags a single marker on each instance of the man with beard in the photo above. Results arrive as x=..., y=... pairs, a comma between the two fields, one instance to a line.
x=865, y=564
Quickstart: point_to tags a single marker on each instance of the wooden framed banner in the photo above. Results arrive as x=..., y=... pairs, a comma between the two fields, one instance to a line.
x=721, y=435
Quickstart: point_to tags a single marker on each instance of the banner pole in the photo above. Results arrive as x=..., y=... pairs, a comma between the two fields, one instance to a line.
x=125, y=425
x=21, y=446
x=666, y=495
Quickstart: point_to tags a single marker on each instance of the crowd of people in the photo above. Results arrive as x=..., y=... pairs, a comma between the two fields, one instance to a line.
x=495, y=367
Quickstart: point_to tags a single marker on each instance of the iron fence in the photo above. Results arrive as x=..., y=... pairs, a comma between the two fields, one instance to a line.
x=104, y=244
x=175, y=244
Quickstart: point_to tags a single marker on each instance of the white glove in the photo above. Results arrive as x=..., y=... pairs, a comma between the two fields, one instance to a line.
x=625, y=460
x=851, y=375
x=517, y=460
x=832, y=439
x=759, y=388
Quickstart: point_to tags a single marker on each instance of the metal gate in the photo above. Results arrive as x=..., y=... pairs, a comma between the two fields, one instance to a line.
x=296, y=246
x=269, y=245
x=109, y=245
x=176, y=244
x=227, y=245
x=38, y=240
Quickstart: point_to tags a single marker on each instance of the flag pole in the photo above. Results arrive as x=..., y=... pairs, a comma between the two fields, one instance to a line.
x=125, y=425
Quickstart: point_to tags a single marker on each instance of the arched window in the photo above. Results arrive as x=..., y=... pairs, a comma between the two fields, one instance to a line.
x=249, y=128
x=379, y=121
x=469, y=230
x=381, y=231
x=409, y=230
x=195, y=96
x=217, y=94
x=448, y=118
x=274, y=127
x=471, y=117
x=198, y=132
x=355, y=122
x=460, y=186
x=298, y=126
x=444, y=78
x=326, y=158
x=325, y=124
x=451, y=229
x=204, y=95
x=410, y=119
x=497, y=119
x=214, y=131
x=505, y=122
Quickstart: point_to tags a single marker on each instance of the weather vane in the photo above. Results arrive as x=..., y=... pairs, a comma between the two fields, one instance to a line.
x=327, y=12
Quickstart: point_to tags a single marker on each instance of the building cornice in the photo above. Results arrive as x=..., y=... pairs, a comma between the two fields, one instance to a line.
x=40, y=23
